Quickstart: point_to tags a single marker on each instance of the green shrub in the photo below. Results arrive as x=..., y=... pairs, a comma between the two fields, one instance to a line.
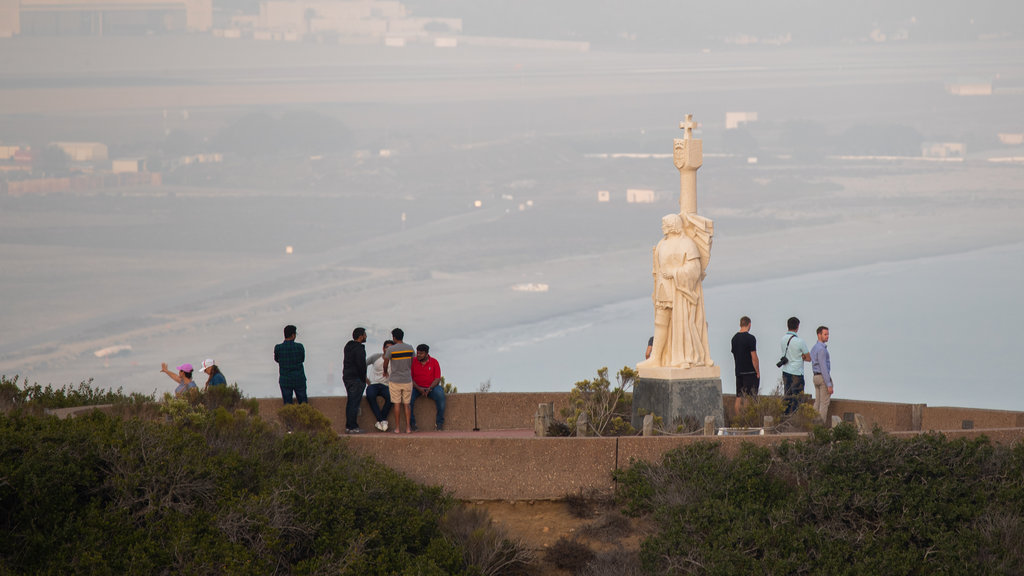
x=608, y=409
x=231, y=495
x=610, y=526
x=486, y=548
x=11, y=395
x=757, y=407
x=586, y=502
x=304, y=418
x=227, y=397
x=614, y=562
x=569, y=554
x=838, y=503
x=40, y=398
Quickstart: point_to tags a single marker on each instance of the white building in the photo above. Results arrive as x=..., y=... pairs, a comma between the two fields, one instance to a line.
x=943, y=149
x=639, y=196
x=83, y=151
x=128, y=165
x=734, y=120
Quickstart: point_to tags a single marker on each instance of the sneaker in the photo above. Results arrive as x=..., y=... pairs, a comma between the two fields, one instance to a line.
x=377, y=426
x=354, y=431
x=439, y=428
x=383, y=425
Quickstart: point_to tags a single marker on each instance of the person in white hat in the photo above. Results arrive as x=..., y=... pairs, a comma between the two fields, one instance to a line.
x=214, y=376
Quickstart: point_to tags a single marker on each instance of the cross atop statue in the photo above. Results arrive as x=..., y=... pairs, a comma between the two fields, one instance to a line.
x=688, y=155
x=687, y=126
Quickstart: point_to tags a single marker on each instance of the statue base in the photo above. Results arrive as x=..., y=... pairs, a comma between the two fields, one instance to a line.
x=669, y=373
x=678, y=401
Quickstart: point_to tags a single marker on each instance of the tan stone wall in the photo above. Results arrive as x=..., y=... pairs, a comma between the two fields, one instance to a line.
x=492, y=411
x=482, y=466
x=947, y=418
x=497, y=468
x=504, y=411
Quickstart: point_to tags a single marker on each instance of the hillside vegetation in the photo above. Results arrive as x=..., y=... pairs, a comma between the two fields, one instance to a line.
x=202, y=485
x=836, y=504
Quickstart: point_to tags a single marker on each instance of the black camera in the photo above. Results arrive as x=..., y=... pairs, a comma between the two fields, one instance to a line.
x=782, y=362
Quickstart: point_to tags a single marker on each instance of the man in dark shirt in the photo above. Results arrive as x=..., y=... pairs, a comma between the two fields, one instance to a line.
x=353, y=374
x=289, y=356
x=748, y=370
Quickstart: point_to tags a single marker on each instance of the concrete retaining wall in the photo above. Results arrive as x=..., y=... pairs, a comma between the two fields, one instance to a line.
x=484, y=465
x=491, y=411
x=492, y=468
x=505, y=410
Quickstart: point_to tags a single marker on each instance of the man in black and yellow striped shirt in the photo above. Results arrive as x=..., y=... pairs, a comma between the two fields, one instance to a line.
x=398, y=371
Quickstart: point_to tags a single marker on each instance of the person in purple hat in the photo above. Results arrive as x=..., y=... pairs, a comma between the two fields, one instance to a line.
x=183, y=378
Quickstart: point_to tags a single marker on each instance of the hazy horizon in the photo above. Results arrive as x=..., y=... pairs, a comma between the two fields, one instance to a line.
x=831, y=201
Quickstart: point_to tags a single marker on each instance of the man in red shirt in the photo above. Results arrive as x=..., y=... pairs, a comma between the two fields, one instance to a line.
x=426, y=381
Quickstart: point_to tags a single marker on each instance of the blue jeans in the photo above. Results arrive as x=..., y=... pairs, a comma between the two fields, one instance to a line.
x=794, y=386
x=437, y=395
x=354, y=389
x=300, y=394
x=374, y=391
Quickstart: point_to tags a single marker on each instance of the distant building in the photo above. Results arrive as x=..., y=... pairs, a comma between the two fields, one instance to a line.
x=734, y=120
x=83, y=151
x=636, y=196
x=943, y=149
x=128, y=165
x=378, y=19
x=970, y=87
x=8, y=152
x=100, y=17
x=1011, y=139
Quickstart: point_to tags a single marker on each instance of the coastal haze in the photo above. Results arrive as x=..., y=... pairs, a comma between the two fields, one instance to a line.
x=861, y=173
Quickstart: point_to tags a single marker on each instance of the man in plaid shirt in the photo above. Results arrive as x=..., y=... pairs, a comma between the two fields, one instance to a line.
x=289, y=356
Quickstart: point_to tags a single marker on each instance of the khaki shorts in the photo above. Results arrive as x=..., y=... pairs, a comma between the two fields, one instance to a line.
x=400, y=393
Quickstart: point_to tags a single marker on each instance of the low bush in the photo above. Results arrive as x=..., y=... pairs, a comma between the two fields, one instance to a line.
x=559, y=429
x=569, y=554
x=486, y=548
x=227, y=494
x=38, y=398
x=586, y=502
x=610, y=526
x=838, y=503
x=608, y=409
x=615, y=562
x=304, y=418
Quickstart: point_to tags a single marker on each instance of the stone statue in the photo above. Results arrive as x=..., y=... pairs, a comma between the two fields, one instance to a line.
x=679, y=381
x=680, y=263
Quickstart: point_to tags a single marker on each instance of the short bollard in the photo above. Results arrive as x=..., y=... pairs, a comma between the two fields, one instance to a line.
x=542, y=420
x=648, y=424
x=583, y=425
x=709, y=425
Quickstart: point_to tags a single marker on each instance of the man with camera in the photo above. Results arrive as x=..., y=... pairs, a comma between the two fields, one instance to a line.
x=794, y=354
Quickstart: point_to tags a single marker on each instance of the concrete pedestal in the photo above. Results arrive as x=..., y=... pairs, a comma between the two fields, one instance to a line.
x=674, y=400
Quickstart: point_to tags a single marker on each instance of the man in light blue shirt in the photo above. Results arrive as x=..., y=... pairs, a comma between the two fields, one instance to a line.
x=795, y=353
x=821, y=365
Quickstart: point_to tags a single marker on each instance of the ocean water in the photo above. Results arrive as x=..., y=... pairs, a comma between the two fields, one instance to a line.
x=937, y=330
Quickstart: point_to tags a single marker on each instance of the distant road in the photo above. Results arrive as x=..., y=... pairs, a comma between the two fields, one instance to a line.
x=122, y=74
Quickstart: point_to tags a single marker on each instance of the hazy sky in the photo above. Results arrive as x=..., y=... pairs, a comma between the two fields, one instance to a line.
x=368, y=162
